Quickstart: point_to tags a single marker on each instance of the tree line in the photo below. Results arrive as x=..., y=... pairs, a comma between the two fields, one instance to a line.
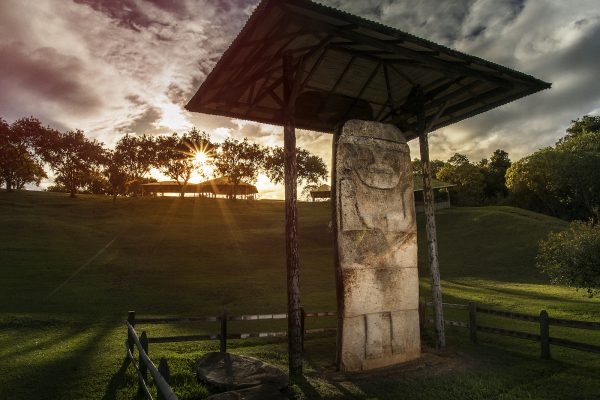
x=83, y=165
x=562, y=180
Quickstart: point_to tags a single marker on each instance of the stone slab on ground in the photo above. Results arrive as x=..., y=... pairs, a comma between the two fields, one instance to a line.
x=260, y=392
x=226, y=372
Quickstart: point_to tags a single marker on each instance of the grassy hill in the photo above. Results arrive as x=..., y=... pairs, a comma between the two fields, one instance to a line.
x=71, y=268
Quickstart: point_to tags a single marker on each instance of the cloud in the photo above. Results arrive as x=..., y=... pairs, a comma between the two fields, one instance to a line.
x=116, y=66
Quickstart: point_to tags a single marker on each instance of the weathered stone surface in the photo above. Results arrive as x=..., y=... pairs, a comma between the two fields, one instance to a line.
x=377, y=247
x=225, y=371
x=261, y=392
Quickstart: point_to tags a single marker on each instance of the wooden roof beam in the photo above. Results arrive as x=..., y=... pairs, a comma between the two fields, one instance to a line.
x=349, y=34
x=362, y=90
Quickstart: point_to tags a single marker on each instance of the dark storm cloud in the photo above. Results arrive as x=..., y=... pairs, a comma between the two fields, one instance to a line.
x=45, y=74
x=133, y=14
x=116, y=66
x=143, y=123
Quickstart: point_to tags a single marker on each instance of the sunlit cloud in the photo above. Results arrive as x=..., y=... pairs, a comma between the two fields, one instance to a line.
x=114, y=67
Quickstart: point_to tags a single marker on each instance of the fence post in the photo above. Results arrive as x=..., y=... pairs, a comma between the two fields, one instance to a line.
x=544, y=335
x=473, y=321
x=422, y=317
x=302, y=321
x=131, y=320
x=223, y=335
x=142, y=364
x=163, y=368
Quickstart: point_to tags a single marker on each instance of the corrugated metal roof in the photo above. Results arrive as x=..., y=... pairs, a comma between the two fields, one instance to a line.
x=352, y=68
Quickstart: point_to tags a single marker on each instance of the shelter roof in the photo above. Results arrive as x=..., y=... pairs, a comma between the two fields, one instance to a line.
x=321, y=188
x=223, y=180
x=351, y=68
x=161, y=183
x=224, y=184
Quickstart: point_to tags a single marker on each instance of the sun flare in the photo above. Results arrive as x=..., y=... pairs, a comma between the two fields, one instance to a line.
x=201, y=157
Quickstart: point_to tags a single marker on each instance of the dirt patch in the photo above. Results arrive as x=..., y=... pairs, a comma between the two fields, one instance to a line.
x=431, y=363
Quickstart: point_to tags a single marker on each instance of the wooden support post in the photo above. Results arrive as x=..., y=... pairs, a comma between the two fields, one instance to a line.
x=131, y=320
x=303, y=321
x=163, y=368
x=291, y=80
x=544, y=335
x=303, y=325
x=473, y=321
x=428, y=207
x=223, y=335
x=422, y=317
x=142, y=364
x=339, y=281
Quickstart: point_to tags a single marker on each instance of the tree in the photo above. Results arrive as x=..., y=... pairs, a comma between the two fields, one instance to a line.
x=436, y=166
x=136, y=155
x=585, y=124
x=533, y=182
x=494, y=174
x=177, y=157
x=75, y=159
x=239, y=160
x=563, y=181
x=115, y=175
x=311, y=168
x=468, y=179
x=22, y=152
x=572, y=257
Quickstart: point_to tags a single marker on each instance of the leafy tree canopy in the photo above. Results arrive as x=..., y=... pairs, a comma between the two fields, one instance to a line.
x=23, y=150
x=563, y=181
x=311, y=168
x=468, y=178
x=136, y=156
x=76, y=160
x=572, y=257
x=239, y=160
x=177, y=156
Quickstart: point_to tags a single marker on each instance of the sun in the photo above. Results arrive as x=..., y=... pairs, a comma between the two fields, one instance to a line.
x=200, y=157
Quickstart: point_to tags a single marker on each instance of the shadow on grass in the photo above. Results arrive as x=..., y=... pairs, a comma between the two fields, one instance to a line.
x=307, y=389
x=116, y=381
x=60, y=372
x=37, y=345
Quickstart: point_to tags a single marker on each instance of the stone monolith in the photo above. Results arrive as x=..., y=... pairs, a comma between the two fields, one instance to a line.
x=377, y=247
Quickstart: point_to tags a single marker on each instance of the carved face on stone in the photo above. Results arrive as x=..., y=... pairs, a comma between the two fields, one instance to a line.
x=378, y=163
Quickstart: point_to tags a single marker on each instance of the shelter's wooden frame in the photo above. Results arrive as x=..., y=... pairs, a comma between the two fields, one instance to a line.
x=291, y=48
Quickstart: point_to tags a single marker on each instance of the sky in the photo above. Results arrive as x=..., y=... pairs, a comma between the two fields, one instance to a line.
x=112, y=67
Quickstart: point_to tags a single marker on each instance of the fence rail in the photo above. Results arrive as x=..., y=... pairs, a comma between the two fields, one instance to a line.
x=145, y=364
x=543, y=320
x=161, y=374
x=223, y=319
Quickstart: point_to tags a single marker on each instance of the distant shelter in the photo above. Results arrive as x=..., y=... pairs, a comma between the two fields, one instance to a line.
x=213, y=188
x=224, y=187
x=441, y=193
x=321, y=192
x=439, y=188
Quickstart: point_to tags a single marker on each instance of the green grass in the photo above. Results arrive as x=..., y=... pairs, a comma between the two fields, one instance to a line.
x=72, y=268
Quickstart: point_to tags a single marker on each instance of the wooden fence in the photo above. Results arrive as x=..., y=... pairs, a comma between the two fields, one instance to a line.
x=144, y=364
x=543, y=320
x=161, y=374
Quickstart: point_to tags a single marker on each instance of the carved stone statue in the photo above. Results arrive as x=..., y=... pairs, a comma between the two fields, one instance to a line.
x=377, y=247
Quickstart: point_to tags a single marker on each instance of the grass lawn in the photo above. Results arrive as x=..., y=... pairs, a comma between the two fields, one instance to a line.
x=72, y=268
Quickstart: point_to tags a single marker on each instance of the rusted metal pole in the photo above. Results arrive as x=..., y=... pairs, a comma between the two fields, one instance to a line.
x=291, y=82
x=428, y=206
